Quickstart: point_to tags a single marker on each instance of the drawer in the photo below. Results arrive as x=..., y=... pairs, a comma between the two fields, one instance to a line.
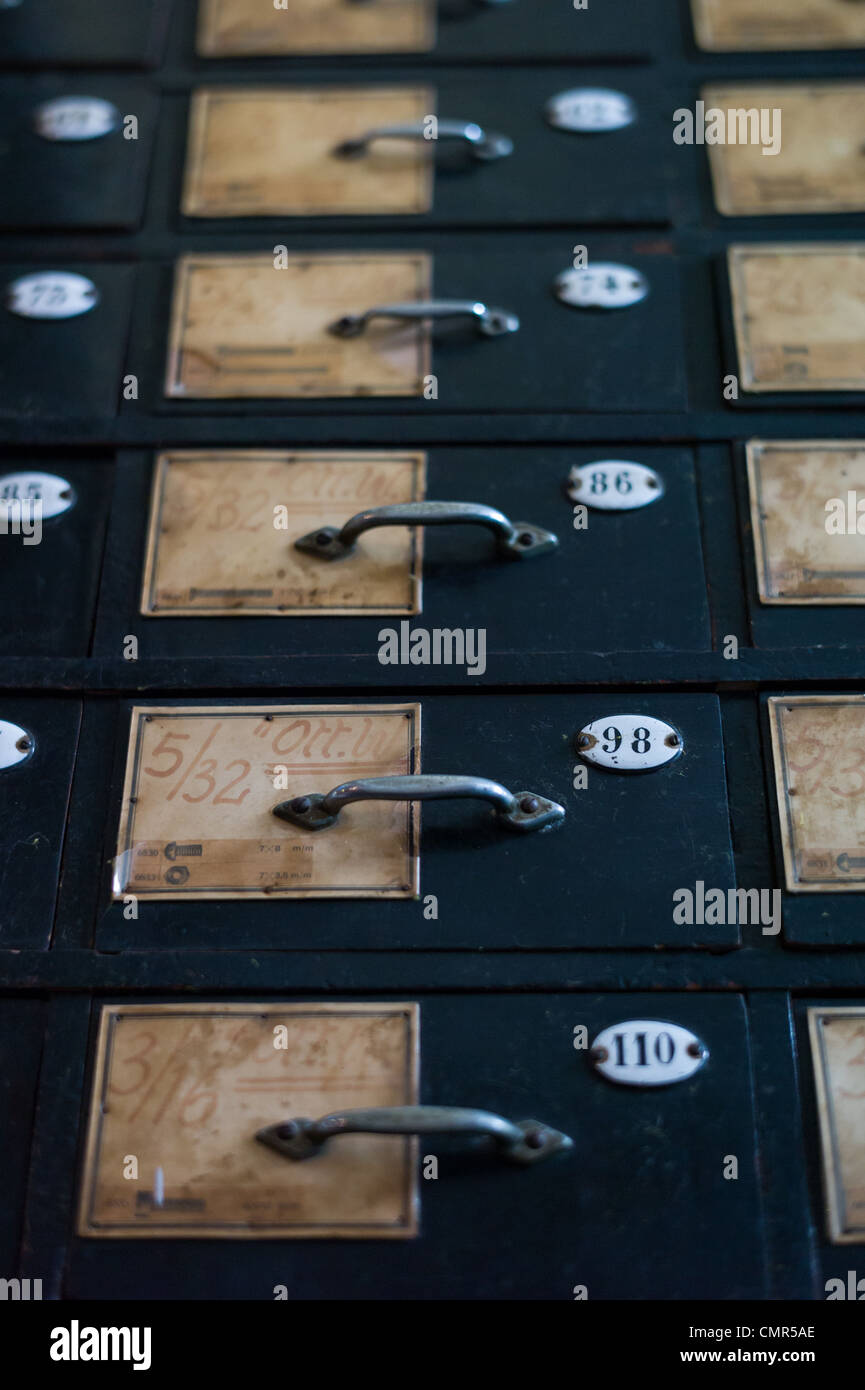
x=557, y=145
x=283, y=331
x=651, y=1162
x=176, y=844
x=448, y=32
x=202, y=559
x=75, y=153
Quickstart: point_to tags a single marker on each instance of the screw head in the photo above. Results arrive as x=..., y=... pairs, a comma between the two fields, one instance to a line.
x=301, y=805
x=529, y=804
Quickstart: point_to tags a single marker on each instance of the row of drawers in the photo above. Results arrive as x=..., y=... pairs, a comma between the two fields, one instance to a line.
x=538, y=324
x=592, y=146
x=720, y=1171
x=160, y=818
x=92, y=33
x=656, y=553
x=127, y=33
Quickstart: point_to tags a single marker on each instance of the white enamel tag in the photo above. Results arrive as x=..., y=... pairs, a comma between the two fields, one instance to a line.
x=15, y=744
x=22, y=491
x=51, y=294
x=647, y=1052
x=590, y=110
x=629, y=742
x=601, y=285
x=75, y=118
x=614, y=485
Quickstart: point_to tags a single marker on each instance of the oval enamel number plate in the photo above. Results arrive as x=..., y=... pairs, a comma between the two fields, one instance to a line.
x=629, y=742
x=51, y=294
x=614, y=485
x=54, y=494
x=601, y=285
x=648, y=1052
x=590, y=110
x=15, y=744
x=75, y=118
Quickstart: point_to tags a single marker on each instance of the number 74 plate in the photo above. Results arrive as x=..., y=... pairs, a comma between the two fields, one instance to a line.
x=202, y=781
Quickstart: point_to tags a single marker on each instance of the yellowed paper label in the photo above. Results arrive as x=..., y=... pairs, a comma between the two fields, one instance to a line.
x=739, y=25
x=223, y=525
x=818, y=745
x=838, y=1052
x=804, y=155
x=202, y=781
x=809, y=548
x=799, y=313
x=258, y=326
x=273, y=151
x=180, y=1090
x=315, y=26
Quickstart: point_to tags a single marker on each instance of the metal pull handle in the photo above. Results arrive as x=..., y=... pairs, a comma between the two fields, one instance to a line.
x=491, y=322
x=516, y=810
x=521, y=1141
x=482, y=144
x=518, y=540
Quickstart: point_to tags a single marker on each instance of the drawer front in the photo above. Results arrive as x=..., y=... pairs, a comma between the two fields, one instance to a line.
x=560, y=892
x=513, y=1056
x=202, y=558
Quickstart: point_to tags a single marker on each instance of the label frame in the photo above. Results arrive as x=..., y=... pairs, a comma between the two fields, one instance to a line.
x=99, y=1077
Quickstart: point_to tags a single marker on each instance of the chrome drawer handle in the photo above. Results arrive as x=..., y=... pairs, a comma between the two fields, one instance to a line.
x=518, y=540
x=491, y=322
x=482, y=144
x=521, y=1141
x=516, y=810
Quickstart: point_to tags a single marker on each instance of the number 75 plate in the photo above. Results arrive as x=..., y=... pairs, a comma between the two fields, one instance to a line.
x=202, y=781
